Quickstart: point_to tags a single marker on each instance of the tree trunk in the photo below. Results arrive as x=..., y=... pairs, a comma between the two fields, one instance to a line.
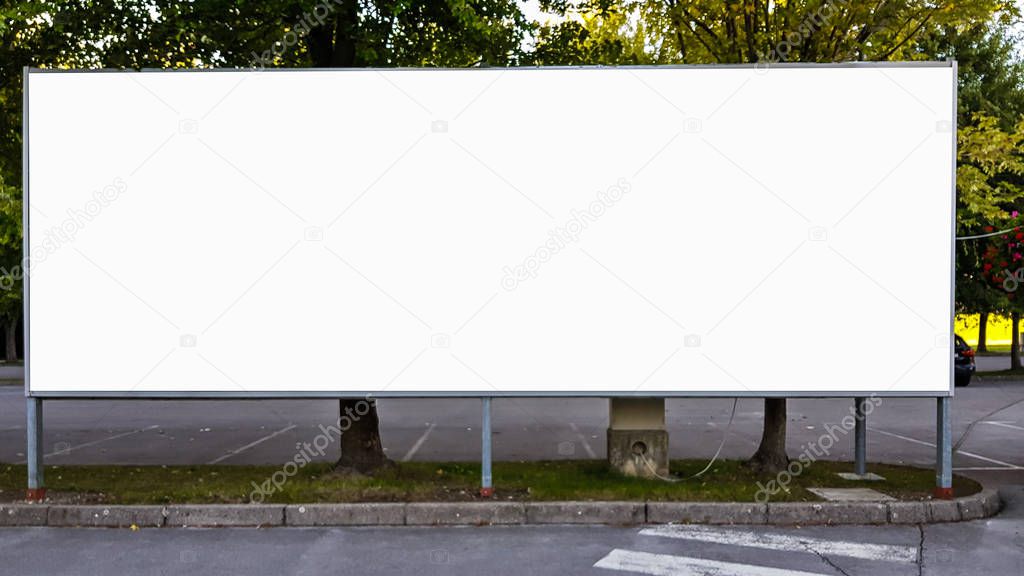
x=770, y=457
x=361, y=449
x=1014, y=340
x=983, y=332
x=11, y=332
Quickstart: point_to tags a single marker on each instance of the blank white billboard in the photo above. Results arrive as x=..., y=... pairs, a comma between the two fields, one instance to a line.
x=589, y=231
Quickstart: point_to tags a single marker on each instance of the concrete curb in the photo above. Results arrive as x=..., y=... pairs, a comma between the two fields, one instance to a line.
x=981, y=505
x=586, y=512
x=225, y=515
x=371, y=514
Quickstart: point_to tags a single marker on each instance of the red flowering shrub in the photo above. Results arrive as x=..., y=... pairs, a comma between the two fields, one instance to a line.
x=1003, y=259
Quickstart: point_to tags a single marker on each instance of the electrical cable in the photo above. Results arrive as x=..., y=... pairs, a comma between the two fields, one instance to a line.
x=725, y=436
x=987, y=235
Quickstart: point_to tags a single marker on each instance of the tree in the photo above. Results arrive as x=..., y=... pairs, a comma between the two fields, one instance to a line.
x=991, y=85
x=10, y=267
x=989, y=172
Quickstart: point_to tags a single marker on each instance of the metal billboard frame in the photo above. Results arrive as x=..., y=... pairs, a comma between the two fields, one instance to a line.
x=341, y=393
x=34, y=400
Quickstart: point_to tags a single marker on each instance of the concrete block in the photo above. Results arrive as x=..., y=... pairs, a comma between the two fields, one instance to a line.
x=226, y=515
x=360, y=514
x=813, y=513
x=908, y=512
x=475, y=513
x=943, y=511
x=992, y=502
x=585, y=513
x=971, y=507
x=108, y=516
x=23, y=514
x=641, y=453
x=706, y=513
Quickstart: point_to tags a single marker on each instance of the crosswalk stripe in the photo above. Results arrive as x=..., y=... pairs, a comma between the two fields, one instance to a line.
x=668, y=565
x=888, y=552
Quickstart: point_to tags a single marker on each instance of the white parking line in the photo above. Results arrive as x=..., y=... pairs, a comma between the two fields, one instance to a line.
x=1004, y=425
x=416, y=447
x=886, y=552
x=668, y=565
x=250, y=445
x=583, y=440
x=100, y=441
x=964, y=452
x=986, y=468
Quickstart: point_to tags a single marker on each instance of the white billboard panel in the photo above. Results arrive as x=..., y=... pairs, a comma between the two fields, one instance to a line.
x=598, y=231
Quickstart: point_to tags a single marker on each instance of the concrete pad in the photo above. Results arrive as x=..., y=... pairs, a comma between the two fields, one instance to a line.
x=851, y=494
x=363, y=514
x=106, y=516
x=870, y=476
x=706, y=513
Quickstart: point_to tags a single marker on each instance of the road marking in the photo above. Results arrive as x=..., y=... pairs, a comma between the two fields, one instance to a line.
x=965, y=453
x=583, y=440
x=668, y=565
x=251, y=444
x=986, y=468
x=1004, y=425
x=100, y=441
x=887, y=552
x=416, y=447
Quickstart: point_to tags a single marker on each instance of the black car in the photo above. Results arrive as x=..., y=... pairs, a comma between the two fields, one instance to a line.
x=963, y=362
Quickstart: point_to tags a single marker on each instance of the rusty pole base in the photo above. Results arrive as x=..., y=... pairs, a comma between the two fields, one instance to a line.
x=35, y=494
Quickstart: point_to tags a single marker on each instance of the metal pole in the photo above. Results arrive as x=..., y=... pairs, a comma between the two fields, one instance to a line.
x=34, y=431
x=860, y=438
x=943, y=449
x=486, y=487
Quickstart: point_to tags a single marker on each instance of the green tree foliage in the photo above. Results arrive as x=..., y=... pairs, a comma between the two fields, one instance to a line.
x=11, y=273
x=737, y=31
x=990, y=162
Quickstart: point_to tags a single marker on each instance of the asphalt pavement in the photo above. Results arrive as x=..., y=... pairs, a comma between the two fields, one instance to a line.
x=992, y=547
x=988, y=421
x=988, y=424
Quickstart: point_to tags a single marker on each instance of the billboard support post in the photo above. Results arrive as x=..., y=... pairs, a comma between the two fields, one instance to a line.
x=943, y=449
x=860, y=438
x=34, y=430
x=486, y=484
